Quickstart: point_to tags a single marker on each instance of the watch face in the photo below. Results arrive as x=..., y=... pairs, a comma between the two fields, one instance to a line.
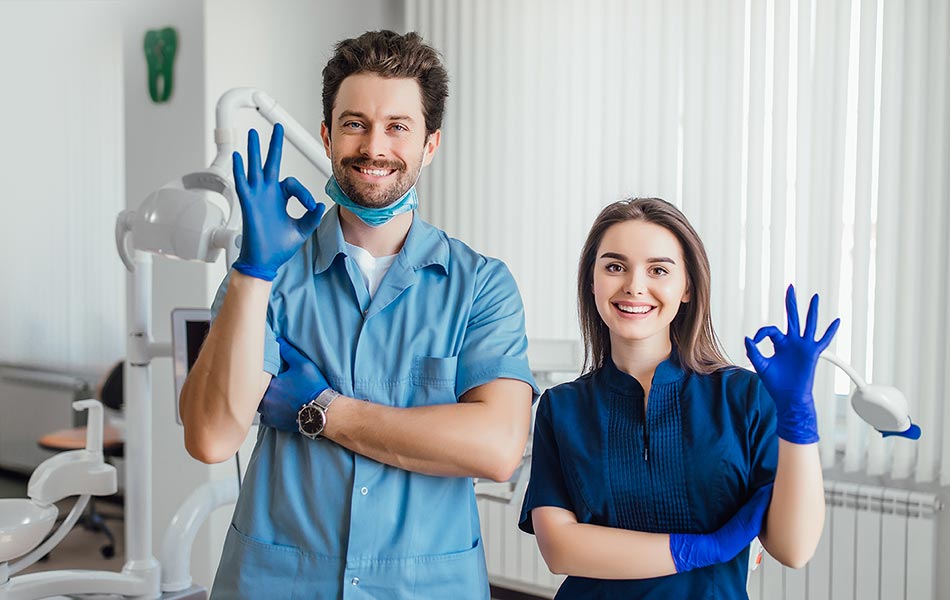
x=312, y=420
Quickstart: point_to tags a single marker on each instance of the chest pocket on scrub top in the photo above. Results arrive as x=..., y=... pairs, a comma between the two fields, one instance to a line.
x=432, y=380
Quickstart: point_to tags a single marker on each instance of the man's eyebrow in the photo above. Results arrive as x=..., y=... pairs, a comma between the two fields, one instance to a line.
x=354, y=113
x=351, y=113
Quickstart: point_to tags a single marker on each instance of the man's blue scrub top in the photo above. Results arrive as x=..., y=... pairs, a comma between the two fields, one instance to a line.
x=315, y=520
x=704, y=445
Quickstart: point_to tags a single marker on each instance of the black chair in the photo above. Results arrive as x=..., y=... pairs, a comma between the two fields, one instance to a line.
x=110, y=394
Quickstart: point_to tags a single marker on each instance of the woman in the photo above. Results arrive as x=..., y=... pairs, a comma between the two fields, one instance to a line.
x=650, y=473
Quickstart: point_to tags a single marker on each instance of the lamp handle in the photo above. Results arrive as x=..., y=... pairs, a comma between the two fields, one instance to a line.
x=230, y=241
x=123, y=226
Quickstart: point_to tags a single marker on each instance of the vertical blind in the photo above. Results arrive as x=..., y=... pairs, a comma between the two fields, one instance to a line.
x=62, y=296
x=808, y=143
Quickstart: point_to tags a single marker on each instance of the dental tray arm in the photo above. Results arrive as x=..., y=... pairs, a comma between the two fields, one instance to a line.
x=77, y=472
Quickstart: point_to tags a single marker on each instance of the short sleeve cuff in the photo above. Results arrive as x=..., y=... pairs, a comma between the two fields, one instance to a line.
x=271, y=352
x=472, y=375
x=526, y=523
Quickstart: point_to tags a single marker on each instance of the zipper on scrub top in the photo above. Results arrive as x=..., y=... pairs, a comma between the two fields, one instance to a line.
x=646, y=437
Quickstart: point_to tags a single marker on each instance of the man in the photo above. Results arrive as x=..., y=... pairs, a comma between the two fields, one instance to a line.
x=367, y=494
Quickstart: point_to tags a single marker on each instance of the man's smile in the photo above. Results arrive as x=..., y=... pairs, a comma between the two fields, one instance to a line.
x=373, y=173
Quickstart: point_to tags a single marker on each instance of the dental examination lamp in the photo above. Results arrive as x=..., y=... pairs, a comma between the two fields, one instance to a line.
x=186, y=218
x=192, y=218
x=881, y=406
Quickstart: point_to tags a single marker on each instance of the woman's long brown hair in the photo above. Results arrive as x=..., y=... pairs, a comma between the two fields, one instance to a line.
x=691, y=331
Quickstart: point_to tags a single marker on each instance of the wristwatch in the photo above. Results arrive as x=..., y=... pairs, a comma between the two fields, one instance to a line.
x=312, y=417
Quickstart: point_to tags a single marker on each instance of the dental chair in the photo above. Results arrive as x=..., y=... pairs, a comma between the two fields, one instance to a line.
x=109, y=393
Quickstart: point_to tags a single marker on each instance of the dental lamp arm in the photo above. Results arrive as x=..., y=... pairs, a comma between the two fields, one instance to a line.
x=848, y=369
x=226, y=138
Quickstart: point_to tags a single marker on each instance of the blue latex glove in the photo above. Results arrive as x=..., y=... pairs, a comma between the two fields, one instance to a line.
x=297, y=384
x=789, y=374
x=696, y=550
x=270, y=236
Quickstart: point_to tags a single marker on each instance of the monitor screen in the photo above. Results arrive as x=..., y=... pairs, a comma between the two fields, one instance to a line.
x=190, y=326
x=195, y=334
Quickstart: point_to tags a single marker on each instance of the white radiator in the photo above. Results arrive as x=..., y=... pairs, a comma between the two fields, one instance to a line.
x=878, y=543
x=41, y=400
x=514, y=561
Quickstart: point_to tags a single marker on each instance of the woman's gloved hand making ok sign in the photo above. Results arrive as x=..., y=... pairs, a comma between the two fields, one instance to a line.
x=789, y=374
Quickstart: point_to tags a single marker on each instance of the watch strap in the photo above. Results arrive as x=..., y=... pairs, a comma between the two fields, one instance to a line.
x=325, y=398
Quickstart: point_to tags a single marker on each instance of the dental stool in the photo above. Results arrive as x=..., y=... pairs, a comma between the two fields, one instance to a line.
x=110, y=393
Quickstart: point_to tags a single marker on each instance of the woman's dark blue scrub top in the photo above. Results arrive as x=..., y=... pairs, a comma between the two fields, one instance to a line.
x=684, y=465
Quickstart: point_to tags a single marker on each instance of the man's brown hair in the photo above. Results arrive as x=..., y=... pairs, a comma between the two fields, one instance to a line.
x=391, y=55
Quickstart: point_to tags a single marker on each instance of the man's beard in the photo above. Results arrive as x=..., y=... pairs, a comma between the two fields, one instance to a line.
x=372, y=196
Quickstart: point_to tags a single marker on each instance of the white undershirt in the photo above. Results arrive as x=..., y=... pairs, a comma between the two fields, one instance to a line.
x=373, y=268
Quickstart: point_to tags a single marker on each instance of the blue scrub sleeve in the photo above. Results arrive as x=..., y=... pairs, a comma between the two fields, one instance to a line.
x=495, y=344
x=763, y=439
x=271, y=349
x=547, y=486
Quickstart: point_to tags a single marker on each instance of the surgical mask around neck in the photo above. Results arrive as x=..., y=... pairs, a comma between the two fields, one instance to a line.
x=374, y=217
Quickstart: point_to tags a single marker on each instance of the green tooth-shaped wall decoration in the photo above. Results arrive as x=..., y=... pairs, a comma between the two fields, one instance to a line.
x=160, y=48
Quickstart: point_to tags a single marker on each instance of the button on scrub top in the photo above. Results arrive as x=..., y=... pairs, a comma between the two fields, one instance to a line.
x=685, y=465
x=315, y=520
